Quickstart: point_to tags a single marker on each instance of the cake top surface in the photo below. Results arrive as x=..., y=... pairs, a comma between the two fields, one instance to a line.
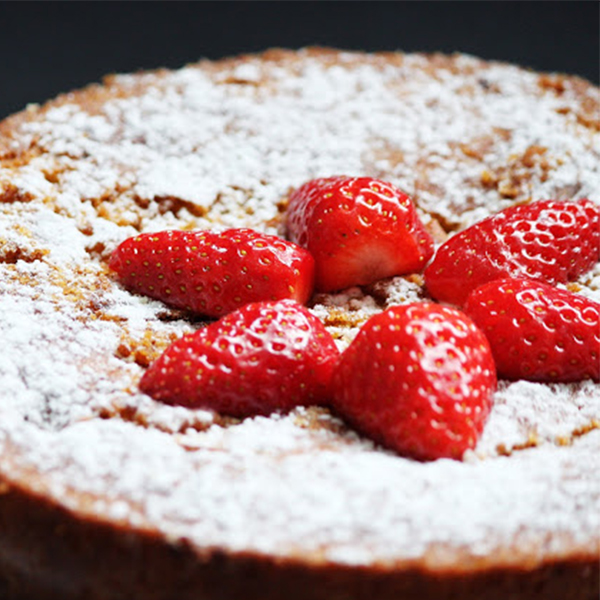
x=222, y=144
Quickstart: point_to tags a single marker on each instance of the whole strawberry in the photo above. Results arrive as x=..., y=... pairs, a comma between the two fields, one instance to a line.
x=548, y=241
x=214, y=273
x=359, y=230
x=418, y=379
x=264, y=357
x=538, y=332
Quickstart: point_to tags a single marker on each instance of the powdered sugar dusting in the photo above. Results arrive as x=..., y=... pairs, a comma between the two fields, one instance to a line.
x=207, y=147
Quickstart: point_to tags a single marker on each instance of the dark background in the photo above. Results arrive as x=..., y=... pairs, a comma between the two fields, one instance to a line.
x=50, y=47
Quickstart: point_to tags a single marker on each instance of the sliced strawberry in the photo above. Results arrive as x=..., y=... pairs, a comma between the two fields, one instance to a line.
x=214, y=273
x=359, y=230
x=264, y=357
x=548, y=241
x=538, y=332
x=418, y=379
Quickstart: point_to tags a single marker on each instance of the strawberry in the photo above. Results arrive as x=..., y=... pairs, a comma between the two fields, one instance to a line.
x=548, y=241
x=418, y=379
x=264, y=357
x=538, y=332
x=359, y=230
x=213, y=273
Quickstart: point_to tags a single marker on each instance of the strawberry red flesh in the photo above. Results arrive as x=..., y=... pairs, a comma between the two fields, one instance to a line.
x=264, y=357
x=538, y=332
x=418, y=379
x=548, y=241
x=214, y=273
x=359, y=230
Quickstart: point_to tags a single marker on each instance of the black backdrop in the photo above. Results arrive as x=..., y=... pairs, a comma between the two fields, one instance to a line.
x=49, y=47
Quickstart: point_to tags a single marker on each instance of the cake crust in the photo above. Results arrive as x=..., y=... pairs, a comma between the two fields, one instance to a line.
x=49, y=552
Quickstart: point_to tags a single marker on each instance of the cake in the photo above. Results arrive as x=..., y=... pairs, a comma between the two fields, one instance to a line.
x=106, y=493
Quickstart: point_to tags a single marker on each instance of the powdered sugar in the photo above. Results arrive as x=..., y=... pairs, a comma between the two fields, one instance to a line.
x=204, y=148
x=270, y=486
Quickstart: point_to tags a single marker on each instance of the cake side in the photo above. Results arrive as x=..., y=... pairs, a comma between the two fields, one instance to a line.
x=51, y=552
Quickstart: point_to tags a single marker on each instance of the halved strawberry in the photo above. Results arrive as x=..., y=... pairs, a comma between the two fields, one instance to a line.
x=538, y=332
x=358, y=229
x=548, y=241
x=418, y=379
x=214, y=273
x=264, y=357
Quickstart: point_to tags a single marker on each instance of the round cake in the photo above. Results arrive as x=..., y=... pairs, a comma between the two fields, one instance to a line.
x=106, y=493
